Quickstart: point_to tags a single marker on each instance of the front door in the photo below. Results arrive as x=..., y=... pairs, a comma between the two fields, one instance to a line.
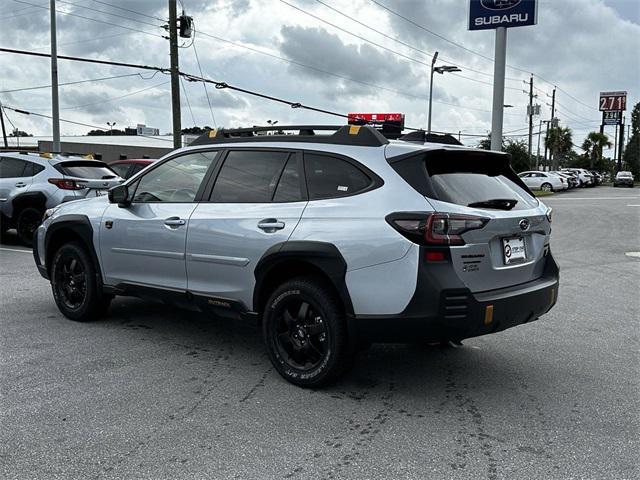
x=144, y=243
x=257, y=201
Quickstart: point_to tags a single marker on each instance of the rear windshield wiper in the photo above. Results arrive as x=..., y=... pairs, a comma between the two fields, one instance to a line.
x=107, y=177
x=498, y=203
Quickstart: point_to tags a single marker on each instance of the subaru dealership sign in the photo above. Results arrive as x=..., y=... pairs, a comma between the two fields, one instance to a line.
x=489, y=14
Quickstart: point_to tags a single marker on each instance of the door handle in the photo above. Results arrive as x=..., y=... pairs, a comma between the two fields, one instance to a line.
x=21, y=184
x=174, y=222
x=270, y=225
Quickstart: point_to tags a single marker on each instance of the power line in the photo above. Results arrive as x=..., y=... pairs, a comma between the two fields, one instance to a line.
x=111, y=99
x=204, y=85
x=91, y=19
x=343, y=77
x=108, y=13
x=395, y=52
x=186, y=97
x=513, y=67
x=130, y=11
x=77, y=82
x=391, y=37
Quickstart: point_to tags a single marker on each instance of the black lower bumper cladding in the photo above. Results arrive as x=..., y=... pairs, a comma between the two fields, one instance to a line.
x=441, y=310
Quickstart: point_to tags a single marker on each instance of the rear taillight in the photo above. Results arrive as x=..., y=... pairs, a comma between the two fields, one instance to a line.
x=66, y=184
x=435, y=228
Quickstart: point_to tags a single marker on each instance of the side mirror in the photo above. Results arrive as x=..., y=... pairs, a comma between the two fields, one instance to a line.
x=120, y=195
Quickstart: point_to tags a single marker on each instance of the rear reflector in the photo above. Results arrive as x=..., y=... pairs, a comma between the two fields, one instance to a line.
x=488, y=314
x=435, y=257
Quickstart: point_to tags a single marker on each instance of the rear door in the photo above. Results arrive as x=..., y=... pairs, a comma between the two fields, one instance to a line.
x=510, y=248
x=256, y=201
x=15, y=178
x=144, y=243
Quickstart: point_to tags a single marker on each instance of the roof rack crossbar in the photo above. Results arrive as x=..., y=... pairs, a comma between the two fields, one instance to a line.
x=364, y=136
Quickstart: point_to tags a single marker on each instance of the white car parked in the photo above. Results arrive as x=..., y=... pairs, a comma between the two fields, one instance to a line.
x=563, y=179
x=544, y=181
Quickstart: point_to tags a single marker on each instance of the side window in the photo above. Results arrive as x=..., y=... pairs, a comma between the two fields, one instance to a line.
x=13, y=168
x=176, y=180
x=136, y=168
x=121, y=169
x=288, y=189
x=37, y=169
x=248, y=176
x=330, y=177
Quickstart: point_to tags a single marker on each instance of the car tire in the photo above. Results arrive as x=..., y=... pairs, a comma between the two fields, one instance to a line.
x=546, y=187
x=29, y=219
x=305, y=332
x=75, y=284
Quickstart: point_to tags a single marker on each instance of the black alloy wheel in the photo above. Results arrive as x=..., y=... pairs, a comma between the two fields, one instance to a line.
x=75, y=284
x=28, y=222
x=305, y=332
x=302, y=337
x=71, y=280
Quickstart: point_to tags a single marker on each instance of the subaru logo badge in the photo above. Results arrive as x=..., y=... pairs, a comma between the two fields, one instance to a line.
x=499, y=4
x=524, y=224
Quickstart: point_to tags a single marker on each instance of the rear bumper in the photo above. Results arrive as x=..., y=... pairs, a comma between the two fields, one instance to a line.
x=456, y=313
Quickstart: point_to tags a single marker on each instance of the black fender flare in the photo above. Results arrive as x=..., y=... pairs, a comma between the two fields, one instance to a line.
x=322, y=255
x=80, y=225
x=35, y=199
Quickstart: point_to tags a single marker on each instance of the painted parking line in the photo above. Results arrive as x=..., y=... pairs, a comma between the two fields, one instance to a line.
x=16, y=250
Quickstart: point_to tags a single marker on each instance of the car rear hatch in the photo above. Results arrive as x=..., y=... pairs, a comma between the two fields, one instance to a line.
x=507, y=239
x=85, y=178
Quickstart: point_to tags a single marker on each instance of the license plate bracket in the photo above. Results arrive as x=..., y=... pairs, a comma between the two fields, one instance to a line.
x=514, y=250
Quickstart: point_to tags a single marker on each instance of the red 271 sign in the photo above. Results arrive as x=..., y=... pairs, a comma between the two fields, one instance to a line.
x=613, y=101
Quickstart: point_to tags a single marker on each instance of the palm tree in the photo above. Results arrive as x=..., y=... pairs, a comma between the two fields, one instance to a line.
x=596, y=142
x=559, y=140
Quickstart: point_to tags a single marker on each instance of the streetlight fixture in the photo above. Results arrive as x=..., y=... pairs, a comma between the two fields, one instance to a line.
x=441, y=70
x=111, y=125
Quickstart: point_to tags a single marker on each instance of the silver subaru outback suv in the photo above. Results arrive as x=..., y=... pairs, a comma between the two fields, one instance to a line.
x=331, y=241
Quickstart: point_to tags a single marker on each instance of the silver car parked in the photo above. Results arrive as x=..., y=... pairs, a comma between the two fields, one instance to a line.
x=30, y=183
x=331, y=241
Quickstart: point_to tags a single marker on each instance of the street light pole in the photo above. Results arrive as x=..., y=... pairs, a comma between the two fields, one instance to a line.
x=441, y=70
x=433, y=63
x=111, y=125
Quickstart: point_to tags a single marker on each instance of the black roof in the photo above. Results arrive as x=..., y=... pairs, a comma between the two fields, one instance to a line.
x=357, y=135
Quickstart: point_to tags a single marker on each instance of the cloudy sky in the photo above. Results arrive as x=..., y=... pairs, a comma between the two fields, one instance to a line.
x=374, y=61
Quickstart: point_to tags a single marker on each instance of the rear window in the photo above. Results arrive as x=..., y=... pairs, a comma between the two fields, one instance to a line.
x=465, y=178
x=85, y=169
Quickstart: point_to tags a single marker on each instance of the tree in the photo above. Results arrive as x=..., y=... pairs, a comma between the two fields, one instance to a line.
x=593, y=146
x=631, y=155
x=195, y=130
x=518, y=149
x=560, y=141
x=99, y=133
x=19, y=133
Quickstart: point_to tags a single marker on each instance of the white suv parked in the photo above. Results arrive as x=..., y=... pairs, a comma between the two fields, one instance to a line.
x=331, y=241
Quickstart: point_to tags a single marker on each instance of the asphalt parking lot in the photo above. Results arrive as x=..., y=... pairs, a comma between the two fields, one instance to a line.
x=155, y=392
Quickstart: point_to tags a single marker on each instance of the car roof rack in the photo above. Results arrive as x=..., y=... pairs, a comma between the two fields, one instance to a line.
x=421, y=136
x=356, y=135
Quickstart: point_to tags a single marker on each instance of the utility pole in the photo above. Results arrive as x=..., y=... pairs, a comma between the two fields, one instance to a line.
x=538, y=154
x=497, y=109
x=4, y=132
x=175, y=75
x=55, y=106
x=530, y=115
x=553, y=114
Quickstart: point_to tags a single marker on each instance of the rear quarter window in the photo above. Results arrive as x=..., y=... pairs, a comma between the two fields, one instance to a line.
x=331, y=177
